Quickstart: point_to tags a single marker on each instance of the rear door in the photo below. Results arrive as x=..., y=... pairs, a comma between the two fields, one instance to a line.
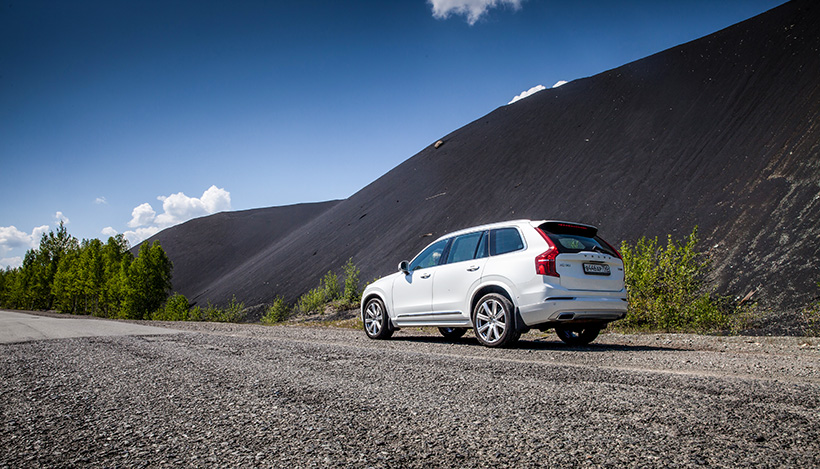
x=586, y=262
x=455, y=279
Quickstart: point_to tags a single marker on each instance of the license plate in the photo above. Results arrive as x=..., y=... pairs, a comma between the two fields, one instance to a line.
x=596, y=269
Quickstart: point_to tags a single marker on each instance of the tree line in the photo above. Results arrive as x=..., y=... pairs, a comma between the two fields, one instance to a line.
x=89, y=277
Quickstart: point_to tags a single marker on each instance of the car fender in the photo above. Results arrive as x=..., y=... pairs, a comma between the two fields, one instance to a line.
x=493, y=281
x=381, y=290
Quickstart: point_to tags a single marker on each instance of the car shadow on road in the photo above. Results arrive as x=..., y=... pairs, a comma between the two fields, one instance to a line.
x=547, y=345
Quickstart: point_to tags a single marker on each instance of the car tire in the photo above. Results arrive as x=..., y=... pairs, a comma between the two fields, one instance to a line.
x=375, y=320
x=494, y=321
x=452, y=332
x=577, y=335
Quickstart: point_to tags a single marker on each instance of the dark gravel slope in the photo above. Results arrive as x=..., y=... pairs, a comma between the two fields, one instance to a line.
x=205, y=249
x=242, y=395
x=721, y=132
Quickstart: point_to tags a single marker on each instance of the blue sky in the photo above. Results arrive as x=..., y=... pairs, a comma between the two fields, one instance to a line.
x=128, y=117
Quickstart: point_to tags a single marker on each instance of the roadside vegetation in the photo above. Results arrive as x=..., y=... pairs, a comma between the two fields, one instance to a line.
x=88, y=277
x=332, y=294
x=668, y=289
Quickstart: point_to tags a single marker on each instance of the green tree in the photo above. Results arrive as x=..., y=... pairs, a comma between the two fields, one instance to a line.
x=67, y=286
x=44, y=265
x=147, y=282
x=116, y=260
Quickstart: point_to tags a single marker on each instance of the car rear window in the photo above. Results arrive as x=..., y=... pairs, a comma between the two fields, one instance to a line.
x=504, y=240
x=569, y=238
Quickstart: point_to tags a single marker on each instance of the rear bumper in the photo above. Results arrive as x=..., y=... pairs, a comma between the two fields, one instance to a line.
x=574, y=309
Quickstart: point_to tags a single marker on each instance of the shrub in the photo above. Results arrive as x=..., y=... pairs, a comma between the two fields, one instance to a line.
x=277, y=312
x=175, y=309
x=352, y=294
x=328, y=292
x=195, y=314
x=233, y=312
x=330, y=285
x=666, y=287
x=312, y=301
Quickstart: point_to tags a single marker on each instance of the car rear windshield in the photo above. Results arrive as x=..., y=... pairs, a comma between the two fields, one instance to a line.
x=570, y=238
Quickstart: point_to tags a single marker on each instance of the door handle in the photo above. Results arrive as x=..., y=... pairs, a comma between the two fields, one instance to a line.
x=425, y=276
x=472, y=269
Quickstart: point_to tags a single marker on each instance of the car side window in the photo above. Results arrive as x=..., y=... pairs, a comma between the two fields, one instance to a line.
x=464, y=247
x=505, y=240
x=483, y=247
x=429, y=257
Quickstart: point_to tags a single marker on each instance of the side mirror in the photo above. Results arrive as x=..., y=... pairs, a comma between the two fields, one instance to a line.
x=404, y=266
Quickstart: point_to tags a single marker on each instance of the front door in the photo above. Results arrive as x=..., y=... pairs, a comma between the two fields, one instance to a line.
x=413, y=292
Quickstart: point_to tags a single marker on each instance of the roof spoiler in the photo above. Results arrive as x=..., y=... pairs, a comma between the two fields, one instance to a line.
x=569, y=227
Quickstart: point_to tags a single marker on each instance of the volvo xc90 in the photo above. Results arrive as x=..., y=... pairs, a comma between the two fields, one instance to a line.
x=501, y=280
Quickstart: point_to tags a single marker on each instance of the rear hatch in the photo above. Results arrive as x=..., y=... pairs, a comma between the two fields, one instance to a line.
x=585, y=261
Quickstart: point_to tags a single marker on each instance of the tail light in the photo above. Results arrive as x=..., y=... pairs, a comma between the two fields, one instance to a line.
x=545, y=262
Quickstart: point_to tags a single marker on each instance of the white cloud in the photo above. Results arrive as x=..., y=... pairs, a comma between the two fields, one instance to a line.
x=137, y=236
x=176, y=208
x=559, y=83
x=473, y=10
x=59, y=217
x=36, y=234
x=12, y=262
x=142, y=214
x=11, y=237
x=529, y=92
x=101, y=201
x=109, y=231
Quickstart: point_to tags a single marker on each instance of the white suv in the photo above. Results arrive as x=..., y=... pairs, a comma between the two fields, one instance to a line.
x=503, y=279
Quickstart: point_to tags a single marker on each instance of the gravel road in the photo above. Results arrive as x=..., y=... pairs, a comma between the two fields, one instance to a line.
x=250, y=395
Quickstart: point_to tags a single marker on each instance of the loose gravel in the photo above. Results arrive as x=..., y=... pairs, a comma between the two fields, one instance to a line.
x=256, y=396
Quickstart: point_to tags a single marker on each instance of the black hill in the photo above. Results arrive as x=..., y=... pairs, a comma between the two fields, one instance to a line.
x=722, y=132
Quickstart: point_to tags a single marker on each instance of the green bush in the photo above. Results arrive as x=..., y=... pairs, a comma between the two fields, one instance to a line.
x=195, y=314
x=328, y=292
x=175, y=309
x=312, y=301
x=330, y=285
x=232, y=313
x=666, y=287
x=277, y=312
x=352, y=294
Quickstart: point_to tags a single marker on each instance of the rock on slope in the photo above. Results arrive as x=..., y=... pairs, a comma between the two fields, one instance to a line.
x=722, y=132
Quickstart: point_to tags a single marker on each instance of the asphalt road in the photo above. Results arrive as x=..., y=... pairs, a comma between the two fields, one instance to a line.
x=22, y=327
x=249, y=395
